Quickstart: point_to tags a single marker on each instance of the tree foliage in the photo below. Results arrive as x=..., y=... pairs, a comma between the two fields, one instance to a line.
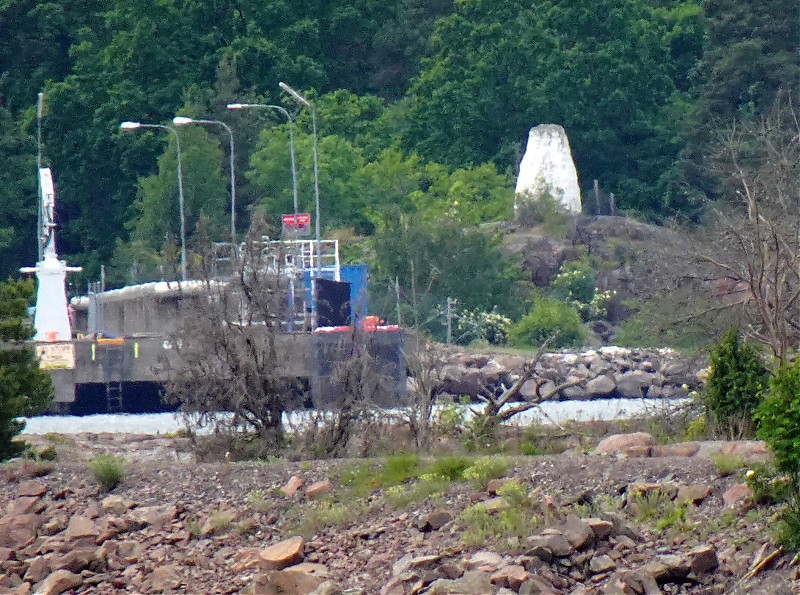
x=420, y=104
x=24, y=389
x=735, y=385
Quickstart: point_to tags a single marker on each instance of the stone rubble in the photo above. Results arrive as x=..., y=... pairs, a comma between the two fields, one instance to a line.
x=59, y=535
x=606, y=372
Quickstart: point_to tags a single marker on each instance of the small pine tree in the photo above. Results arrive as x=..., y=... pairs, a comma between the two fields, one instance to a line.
x=24, y=389
x=735, y=385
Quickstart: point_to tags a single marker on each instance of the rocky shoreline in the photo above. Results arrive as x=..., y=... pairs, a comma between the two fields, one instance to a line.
x=603, y=522
x=605, y=372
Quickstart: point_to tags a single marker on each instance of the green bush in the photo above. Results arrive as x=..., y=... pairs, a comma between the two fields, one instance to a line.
x=574, y=282
x=108, y=471
x=543, y=210
x=778, y=417
x=735, y=385
x=549, y=318
x=25, y=390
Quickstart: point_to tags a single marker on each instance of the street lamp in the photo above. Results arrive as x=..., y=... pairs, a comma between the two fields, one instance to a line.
x=182, y=121
x=303, y=101
x=236, y=106
x=126, y=126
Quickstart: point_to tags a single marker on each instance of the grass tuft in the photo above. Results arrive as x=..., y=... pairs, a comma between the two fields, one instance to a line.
x=108, y=471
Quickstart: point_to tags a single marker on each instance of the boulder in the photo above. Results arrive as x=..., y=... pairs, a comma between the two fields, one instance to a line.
x=301, y=579
x=694, y=493
x=601, y=386
x=117, y=504
x=737, y=496
x=637, y=444
x=703, y=559
x=680, y=449
x=31, y=488
x=601, y=563
x=282, y=554
x=473, y=581
x=58, y=582
x=750, y=450
x=319, y=488
x=484, y=561
x=154, y=516
x=668, y=568
x=292, y=486
x=18, y=531
x=577, y=532
x=409, y=562
x=633, y=385
x=601, y=528
x=435, y=520
x=511, y=577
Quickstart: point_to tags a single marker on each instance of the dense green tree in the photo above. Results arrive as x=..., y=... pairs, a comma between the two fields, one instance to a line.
x=24, y=389
x=443, y=259
x=468, y=196
x=750, y=56
x=501, y=68
x=18, y=196
x=156, y=209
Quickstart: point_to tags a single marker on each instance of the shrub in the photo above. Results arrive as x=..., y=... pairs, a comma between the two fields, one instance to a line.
x=108, y=471
x=449, y=467
x=24, y=389
x=399, y=469
x=778, y=418
x=485, y=469
x=543, y=209
x=726, y=464
x=574, y=282
x=548, y=318
x=735, y=385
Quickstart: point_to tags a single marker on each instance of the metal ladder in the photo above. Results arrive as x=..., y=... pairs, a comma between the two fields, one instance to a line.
x=113, y=363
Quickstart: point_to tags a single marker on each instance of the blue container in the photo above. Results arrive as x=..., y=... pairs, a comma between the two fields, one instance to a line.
x=354, y=274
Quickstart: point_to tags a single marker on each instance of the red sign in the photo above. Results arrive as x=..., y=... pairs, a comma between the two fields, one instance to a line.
x=296, y=224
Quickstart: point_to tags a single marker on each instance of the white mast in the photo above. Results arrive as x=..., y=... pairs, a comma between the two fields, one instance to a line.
x=52, y=317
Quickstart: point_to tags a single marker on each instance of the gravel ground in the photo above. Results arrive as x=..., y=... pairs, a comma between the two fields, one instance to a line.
x=367, y=535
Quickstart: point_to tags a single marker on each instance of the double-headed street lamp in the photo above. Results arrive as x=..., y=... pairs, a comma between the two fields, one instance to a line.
x=237, y=106
x=303, y=101
x=182, y=121
x=135, y=125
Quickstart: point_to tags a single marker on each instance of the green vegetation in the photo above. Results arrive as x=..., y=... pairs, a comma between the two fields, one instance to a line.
x=485, y=469
x=726, y=465
x=548, y=319
x=735, y=385
x=24, y=389
x=507, y=525
x=317, y=516
x=108, y=470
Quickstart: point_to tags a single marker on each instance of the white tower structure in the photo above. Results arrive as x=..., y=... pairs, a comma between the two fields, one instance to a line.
x=547, y=167
x=52, y=317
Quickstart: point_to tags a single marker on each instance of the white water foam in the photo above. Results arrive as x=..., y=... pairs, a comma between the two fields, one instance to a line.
x=162, y=423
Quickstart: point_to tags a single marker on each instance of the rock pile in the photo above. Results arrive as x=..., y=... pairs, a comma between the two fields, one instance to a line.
x=607, y=372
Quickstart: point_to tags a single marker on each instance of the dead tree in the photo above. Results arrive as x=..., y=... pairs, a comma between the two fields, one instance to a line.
x=510, y=402
x=232, y=374
x=755, y=242
x=425, y=362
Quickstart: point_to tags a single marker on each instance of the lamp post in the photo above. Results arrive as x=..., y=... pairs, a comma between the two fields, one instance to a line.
x=237, y=106
x=303, y=101
x=183, y=121
x=135, y=125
